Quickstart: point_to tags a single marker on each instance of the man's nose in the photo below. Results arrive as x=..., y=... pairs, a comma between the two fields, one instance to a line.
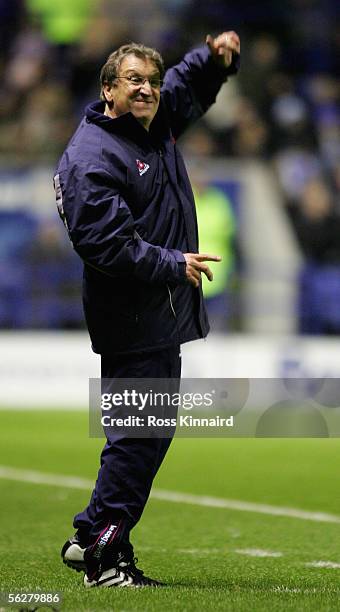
x=146, y=88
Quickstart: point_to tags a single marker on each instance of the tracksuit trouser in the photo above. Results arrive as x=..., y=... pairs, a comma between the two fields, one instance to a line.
x=128, y=465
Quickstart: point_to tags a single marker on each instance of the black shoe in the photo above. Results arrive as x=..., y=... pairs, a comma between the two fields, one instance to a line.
x=72, y=553
x=122, y=573
x=133, y=574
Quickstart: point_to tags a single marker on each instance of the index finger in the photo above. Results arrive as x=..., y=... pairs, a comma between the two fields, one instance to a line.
x=207, y=257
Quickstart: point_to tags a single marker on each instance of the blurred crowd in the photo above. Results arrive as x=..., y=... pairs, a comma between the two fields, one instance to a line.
x=283, y=107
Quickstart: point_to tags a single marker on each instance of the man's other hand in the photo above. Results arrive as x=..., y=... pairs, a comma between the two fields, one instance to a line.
x=195, y=266
x=223, y=46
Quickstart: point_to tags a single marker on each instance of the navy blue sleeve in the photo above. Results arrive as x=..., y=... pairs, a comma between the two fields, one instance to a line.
x=191, y=87
x=101, y=228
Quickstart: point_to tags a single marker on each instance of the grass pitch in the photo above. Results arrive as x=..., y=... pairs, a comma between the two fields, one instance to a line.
x=209, y=557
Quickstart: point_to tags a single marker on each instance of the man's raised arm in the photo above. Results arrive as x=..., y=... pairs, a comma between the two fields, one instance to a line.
x=191, y=86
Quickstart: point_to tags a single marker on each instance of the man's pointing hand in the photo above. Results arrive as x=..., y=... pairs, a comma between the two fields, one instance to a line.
x=195, y=266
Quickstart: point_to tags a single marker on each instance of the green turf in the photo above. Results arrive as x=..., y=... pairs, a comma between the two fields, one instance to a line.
x=192, y=548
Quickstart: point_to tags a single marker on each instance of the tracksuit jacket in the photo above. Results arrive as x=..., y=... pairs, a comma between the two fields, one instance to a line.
x=125, y=198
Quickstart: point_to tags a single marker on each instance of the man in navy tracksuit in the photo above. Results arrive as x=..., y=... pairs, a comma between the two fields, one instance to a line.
x=125, y=198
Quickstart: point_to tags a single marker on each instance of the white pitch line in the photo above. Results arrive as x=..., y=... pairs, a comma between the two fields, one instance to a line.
x=234, y=504
x=199, y=551
x=69, y=482
x=326, y=564
x=73, y=482
x=250, y=552
x=284, y=589
x=257, y=552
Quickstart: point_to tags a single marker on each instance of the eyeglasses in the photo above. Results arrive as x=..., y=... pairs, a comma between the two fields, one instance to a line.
x=139, y=81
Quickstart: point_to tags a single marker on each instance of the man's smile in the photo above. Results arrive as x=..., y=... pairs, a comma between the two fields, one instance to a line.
x=140, y=101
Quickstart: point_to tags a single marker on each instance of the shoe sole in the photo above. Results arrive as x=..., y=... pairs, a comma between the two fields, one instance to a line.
x=107, y=581
x=77, y=564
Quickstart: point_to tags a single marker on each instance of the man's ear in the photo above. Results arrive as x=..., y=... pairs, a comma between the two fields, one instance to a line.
x=108, y=96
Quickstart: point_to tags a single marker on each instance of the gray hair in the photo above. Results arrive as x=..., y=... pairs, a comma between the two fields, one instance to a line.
x=111, y=67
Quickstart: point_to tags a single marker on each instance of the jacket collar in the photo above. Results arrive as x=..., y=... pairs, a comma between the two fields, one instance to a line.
x=127, y=124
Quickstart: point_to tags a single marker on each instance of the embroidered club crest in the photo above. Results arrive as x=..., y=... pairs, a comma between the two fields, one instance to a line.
x=142, y=167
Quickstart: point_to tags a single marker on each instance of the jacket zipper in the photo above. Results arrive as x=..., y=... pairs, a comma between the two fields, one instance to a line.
x=175, y=317
x=171, y=304
x=167, y=286
x=136, y=235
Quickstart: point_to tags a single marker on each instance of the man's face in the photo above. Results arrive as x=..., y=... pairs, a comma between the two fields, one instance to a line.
x=141, y=99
